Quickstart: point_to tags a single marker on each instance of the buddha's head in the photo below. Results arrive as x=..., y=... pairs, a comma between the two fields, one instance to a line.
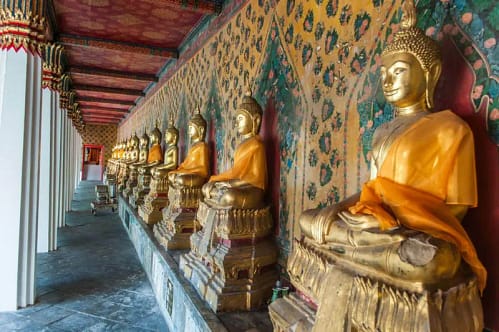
x=134, y=142
x=144, y=141
x=197, y=127
x=171, y=133
x=248, y=116
x=155, y=136
x=411, y=64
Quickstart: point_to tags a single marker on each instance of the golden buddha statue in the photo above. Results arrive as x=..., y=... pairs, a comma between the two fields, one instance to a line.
x=157, y=198
x=398, y=244
x=232, y=259
x=134, y=166
x=184, y=191
x=154, y=158
x=132, y=157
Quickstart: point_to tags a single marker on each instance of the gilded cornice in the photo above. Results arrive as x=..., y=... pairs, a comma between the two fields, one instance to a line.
x=22, y=25
x=52, y=66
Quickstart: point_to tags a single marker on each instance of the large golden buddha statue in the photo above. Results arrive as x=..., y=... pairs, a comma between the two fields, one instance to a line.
x=134, y=166
x=232, y=259
x=184, y=191
x=154, y=158
x=396, y=247
x=157, y=198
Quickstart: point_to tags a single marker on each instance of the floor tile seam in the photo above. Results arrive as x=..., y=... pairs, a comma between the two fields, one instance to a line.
x=93, y=316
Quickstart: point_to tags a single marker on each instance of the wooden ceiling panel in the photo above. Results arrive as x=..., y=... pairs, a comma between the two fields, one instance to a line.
x=153, y=22
x=114, y=59
x=105, y=95
x=85, y=79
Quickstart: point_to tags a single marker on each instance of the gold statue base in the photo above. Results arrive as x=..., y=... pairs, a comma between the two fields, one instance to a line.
x=130, y=184
x=232, y=259
x=334, y=295
x=155, y=201
x=139, y=192
x=175, y=233
x=179, y=218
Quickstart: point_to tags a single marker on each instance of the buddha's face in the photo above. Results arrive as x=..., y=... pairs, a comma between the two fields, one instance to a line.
x=244, y=123
x=169, y=138
x=403, y=79
x=193, y=131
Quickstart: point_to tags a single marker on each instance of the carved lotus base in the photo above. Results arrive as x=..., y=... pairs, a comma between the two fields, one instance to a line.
x=232, y=259
x=335, y=296
x=179, y=218
x=232, y=279
x=150, y=211
x=175, y=231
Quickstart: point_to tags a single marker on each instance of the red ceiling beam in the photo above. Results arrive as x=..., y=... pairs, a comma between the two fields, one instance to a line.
x=104, y=116
x=93, y=71
x=198, y=6
x=118, y=91
x=82, y=41
x=105, y=109
x=105, y=100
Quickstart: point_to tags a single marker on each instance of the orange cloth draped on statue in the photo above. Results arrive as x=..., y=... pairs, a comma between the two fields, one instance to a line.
x=155, y=154
x=249, y=164
x=430, y=166
x=196, y=161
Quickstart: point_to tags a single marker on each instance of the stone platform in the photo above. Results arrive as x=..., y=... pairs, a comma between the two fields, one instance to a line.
x=179, y=302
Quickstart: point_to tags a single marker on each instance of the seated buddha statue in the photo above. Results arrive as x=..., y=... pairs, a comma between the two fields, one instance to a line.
x=193, y=171
x=133, y=158
x=184, y=192
x=154, y=158
x=404, y=227
x=232, y=259
x=242, y=186
x=157, y=198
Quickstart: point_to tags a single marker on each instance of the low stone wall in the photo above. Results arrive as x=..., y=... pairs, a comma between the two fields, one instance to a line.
x=180, y=304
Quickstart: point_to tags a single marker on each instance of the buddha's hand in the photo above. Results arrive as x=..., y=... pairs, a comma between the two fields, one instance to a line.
x=359, y=221
x=207, y=188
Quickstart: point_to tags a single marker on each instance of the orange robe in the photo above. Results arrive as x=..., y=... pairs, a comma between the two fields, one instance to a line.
x=430, y=166
x=155, y=154
x=250, y=164
x=196, y=161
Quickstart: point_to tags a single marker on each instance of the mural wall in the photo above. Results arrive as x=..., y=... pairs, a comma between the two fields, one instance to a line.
x=101, y=135
x=314, y=67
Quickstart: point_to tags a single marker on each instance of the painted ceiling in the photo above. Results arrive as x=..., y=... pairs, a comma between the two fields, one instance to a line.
x=115, y=49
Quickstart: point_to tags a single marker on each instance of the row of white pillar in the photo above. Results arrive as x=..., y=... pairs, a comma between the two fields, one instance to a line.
x=40, y=166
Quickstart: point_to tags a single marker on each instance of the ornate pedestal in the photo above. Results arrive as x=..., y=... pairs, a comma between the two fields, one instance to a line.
x=131, y=182
x=179, y=218
x=123, y=174
x=232, y=259
x=142, y=189
x=155, y=201
x=338, y=295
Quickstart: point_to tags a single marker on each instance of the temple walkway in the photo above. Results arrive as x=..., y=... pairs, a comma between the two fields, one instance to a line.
x=93, y=282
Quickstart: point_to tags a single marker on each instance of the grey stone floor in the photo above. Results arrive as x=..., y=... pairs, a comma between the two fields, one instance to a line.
x=93, y=282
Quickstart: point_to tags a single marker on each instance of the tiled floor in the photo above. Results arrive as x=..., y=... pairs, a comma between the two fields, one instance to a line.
x=93, y=282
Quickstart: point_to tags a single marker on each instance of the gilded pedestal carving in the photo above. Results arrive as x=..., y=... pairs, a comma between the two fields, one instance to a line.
x=232, y=259
x=395, y=257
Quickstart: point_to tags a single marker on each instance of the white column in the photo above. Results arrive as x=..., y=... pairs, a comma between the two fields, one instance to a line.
x=53, y=172
x=20, y=108
x=45, y=159
x=59, y=169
